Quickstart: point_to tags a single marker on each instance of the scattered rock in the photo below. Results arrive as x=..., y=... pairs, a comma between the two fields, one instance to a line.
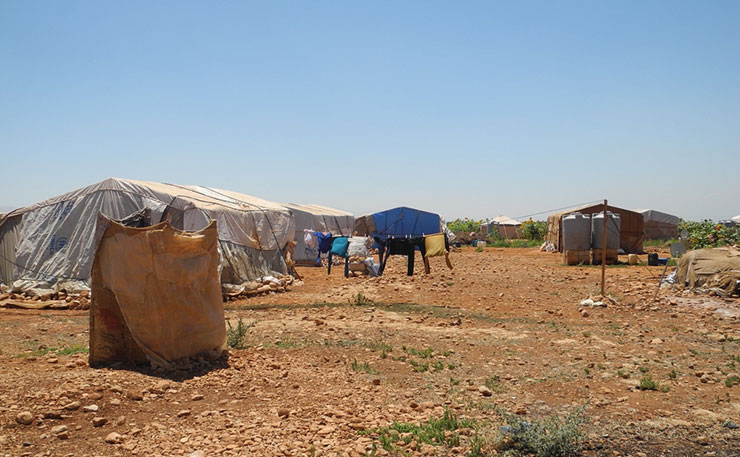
x=24, y=418
x=75, y=405
x=113, y=438
x=99, y=421
x=485, y=391
x=703, y=440
x=183, y=413
x=90, y=408
x=283, y=412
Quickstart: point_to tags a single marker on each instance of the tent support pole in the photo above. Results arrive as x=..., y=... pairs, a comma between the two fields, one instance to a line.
x=603, y=254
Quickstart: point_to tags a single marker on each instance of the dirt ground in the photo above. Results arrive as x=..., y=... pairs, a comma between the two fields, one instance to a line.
x=328, y=364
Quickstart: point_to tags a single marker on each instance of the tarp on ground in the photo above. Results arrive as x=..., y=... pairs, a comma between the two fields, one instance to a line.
x=632, y=231
x=317, y=218
x=659, y=225
x=50, y=244
x=710, y=268
x=156, y=294
x=401, y=221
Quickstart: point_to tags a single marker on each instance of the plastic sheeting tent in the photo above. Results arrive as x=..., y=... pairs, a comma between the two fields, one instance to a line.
x=659, y=225
x=319, y=219
x=632, y=231
x=507, y=227
x=401, y=221
x=736, y=219
x=50, y=244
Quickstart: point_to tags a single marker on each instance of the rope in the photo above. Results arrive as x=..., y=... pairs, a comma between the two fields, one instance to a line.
x=558, y=209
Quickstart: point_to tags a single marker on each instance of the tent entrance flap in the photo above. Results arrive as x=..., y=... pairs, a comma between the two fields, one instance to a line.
x=156, y=294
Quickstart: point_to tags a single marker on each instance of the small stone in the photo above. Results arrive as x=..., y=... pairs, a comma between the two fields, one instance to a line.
x=376, y=381
x=90, y=408
x=183, y=413
x=113, y=438
x=115, y=402
x=24, y=418
x=99, y=421
x=197, y=454
x=197, y=397
x=75, y=405
x=134, y=395
x=283, y=412
x=485, y=391
x=52, y=360
x=58, y=429
x=117, y=389
x=702, y=439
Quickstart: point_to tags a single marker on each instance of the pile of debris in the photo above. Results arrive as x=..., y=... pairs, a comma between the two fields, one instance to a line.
x=262, y=286
x=45, y=298
x=715, y=271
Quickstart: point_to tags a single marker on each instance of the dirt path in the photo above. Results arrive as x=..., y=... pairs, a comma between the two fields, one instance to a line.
x=337, y=356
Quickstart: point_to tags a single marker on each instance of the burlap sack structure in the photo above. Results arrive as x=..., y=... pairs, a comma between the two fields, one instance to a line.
x=156, y=294
x=710, y=268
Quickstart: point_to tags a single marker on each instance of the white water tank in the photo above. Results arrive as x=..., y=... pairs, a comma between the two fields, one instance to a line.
x=613, y=229
x=577, y=232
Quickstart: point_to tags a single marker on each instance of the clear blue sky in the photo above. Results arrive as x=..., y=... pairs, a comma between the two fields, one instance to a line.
x=463, y=108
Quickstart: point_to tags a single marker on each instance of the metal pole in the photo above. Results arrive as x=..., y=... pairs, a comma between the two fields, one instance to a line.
x=603, y=254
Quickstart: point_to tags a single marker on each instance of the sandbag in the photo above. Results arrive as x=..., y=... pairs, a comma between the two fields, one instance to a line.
x=156, y=294
x=711, y=268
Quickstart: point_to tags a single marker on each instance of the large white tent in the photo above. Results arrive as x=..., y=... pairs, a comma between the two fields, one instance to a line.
x=736, y=219
x=316, y=218
x=507, y=227
x=51, y=244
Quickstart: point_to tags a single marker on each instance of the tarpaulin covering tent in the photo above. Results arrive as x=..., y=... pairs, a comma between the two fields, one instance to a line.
x=659, y=225
x=50, y=244
x=401, y=221
x=507, y=227
x=712, y=268
x=632, y=229
x=156, y=294
x=320, y=219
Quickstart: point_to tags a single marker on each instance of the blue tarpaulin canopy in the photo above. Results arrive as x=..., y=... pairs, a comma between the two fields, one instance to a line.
x=401, y=221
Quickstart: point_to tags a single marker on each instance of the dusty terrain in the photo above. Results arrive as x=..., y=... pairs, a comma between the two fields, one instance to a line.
x=330, y=362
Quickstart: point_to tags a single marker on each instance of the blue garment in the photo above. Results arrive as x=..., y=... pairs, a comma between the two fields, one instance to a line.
x=325, y=240
x=339, y=248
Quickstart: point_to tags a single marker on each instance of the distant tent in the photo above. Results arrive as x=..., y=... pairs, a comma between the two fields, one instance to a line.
x=658, y=225
x=401, y=221
x=50, y=244
x=632, y=226
x=320, y=219
x=507, y=227
x=736, y=219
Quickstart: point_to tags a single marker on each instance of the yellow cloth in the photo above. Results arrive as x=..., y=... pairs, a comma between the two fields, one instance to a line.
x=435, y=245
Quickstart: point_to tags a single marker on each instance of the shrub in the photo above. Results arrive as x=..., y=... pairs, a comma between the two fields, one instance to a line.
x=235, y=336
x=549, y=437
x=706, y=234
x=464, y=225
x=534, y=230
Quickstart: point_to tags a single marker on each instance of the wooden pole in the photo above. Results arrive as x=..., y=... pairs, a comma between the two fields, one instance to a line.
x=603, y=254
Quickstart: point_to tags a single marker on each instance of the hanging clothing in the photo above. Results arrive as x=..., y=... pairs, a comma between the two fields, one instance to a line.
x=324, y=244
x=437, y=245
x=339, y=248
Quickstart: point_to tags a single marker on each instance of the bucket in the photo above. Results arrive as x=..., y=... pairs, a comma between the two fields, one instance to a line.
x=632, y=259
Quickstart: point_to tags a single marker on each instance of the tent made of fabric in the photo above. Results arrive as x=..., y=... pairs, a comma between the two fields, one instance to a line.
x=401, y=221
x=736, y=219
x=317, y=218
x=507, y=227
x=51, y=243
x=659, y=225
x=632, y=230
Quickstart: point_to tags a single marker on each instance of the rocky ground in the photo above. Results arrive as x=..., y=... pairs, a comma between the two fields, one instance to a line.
x=328, y=364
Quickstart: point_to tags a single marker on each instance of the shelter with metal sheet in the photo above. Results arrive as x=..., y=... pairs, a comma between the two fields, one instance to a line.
x=632, y=230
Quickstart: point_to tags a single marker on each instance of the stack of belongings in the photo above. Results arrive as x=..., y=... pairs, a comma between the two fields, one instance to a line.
x=712, y=270
x=355, y=252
